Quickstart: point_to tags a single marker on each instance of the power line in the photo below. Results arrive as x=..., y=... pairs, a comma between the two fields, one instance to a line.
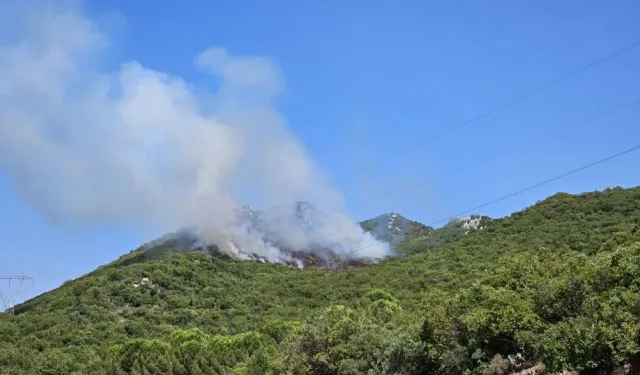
x=529, y=142
x=495, y=109
x=15, y=278
x=518, y=192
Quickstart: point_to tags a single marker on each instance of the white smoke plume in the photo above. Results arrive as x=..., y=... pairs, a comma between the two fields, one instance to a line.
x=139, y=146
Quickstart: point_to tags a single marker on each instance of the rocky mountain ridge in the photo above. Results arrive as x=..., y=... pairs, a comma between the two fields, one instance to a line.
x=304, y=220
x=293, y=234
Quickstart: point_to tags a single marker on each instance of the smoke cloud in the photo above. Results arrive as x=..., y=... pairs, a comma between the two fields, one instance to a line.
x=139, y=146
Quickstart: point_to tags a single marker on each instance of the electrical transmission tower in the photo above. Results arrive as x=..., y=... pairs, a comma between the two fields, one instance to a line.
x=9, y=298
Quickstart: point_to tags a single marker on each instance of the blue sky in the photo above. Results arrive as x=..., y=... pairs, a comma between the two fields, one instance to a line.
x=365, y=79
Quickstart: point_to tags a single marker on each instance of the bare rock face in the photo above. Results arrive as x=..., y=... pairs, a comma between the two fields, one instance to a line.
x=472, y=223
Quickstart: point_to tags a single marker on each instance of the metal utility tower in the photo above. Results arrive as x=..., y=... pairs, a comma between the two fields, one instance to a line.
x=8, y=300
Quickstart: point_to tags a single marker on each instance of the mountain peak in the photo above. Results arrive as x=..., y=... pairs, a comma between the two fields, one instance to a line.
x=394, y=228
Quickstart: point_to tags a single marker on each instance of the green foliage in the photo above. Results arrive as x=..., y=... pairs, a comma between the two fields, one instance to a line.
x=558, y=283
x=187, y=352
x=430, y=240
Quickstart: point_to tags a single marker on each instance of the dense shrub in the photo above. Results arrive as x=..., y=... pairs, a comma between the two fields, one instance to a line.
x=558, y=284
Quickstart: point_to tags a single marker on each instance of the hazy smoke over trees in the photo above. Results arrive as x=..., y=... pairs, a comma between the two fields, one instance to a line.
x=134, y=145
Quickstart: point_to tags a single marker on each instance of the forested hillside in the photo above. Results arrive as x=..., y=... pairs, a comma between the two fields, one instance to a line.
x=556, y=285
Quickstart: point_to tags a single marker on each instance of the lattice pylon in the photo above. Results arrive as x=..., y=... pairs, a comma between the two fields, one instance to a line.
x=8, y=300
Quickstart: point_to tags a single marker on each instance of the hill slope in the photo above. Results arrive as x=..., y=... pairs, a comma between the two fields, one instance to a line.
x=389, y=228
x=557, y=282
x=298, y=235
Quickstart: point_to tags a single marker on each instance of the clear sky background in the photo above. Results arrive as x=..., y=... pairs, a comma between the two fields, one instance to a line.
x=367, y=79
